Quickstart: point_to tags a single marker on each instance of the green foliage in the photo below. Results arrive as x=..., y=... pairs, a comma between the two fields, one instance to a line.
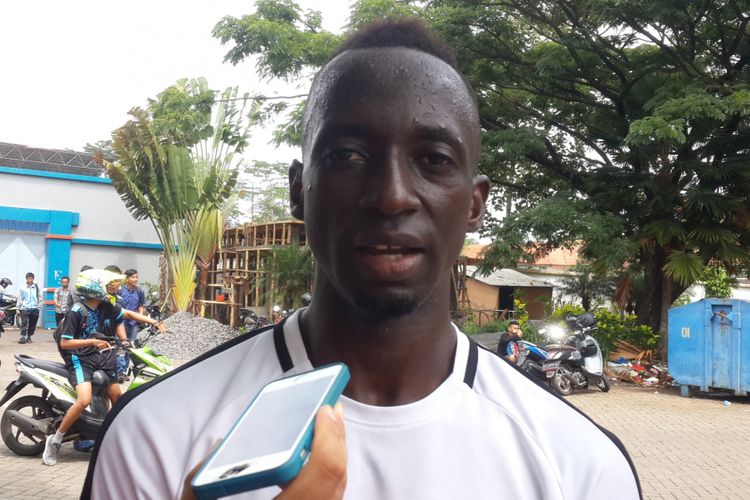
x=175, y=166
x=182, y=113
x=717, y=282
x=593, y=289
x=289, y=274
x=266, y=188
x=617, y=126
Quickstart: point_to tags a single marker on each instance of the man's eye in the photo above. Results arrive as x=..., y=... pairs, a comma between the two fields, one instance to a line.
x=345, y=155
x=435, y=160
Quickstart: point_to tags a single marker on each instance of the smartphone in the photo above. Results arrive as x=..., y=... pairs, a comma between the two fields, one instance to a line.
x=271, y=440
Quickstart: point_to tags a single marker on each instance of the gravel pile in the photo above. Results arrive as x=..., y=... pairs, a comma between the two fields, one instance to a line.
x=190, y=336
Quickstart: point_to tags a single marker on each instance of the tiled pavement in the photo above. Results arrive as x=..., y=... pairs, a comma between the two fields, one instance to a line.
x=683, y=448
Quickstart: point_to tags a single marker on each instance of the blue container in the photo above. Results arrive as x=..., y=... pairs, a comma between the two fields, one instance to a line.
x=709, y=345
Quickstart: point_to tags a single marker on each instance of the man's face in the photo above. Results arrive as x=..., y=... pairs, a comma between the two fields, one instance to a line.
x=29, y=280
x=389, y=188
x=64, y=283
x=113, y=286
x=132, y=280
x=515, y=330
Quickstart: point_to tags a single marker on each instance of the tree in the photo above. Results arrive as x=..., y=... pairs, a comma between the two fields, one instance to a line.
x=177, y=169
x=717, y=282
x=620, y=125
x=591, y=288
x=289, y=275
x=100, y=148
x=267, y=191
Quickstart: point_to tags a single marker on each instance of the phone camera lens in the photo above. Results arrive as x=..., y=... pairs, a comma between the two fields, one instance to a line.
x=233, y=471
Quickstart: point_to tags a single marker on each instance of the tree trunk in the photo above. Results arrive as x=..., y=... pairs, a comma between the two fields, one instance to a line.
x=165, y=283
x=660, y=292
x=200, y=290
x=649, y=305
x=586, y=302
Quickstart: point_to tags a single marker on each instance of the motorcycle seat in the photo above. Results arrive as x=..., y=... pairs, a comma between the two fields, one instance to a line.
x=51, y=366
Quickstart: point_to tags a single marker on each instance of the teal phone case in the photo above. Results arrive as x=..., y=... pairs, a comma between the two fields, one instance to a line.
x=281, y=474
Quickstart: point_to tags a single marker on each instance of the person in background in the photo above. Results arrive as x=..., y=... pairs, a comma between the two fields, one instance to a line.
x=29, y=305
x=82, y=353
x=132, y=298
x=64, y=299
x=508, y=346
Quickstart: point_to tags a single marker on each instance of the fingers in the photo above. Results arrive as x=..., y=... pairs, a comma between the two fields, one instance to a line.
x=324, y=475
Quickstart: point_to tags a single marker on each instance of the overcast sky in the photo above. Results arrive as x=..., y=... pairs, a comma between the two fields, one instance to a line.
x=71, y=70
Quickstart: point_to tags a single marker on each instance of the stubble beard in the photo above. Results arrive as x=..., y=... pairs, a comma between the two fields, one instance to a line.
x=393, y=305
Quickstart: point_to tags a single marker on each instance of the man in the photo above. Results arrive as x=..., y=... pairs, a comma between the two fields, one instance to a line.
x=131, y=298
x=83, y=354
x=508, y=346
x=64, y=299
x=389, y=187
x=29, y=305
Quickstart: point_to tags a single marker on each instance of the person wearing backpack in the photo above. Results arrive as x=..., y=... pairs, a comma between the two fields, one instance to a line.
x=82, y=352
x=29, y=305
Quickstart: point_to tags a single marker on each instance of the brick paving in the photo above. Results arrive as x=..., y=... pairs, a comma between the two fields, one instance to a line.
x=684, y=448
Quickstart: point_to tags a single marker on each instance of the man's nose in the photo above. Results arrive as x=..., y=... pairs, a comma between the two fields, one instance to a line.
x=390, y=188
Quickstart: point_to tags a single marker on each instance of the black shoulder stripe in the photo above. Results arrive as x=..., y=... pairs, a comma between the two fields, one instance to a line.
x=471, y=364
x=282, y=352
x=606, y=432
x=128, y=396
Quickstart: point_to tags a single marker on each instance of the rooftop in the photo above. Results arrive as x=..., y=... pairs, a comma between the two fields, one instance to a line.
x=49, y=160
x=507, y=277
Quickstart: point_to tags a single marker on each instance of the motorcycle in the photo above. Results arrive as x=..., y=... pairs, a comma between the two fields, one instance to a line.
x=251, y=320
x=152, y=306
x=29, y=419
x=8, y=310
x=577, y=361
x=531, y=359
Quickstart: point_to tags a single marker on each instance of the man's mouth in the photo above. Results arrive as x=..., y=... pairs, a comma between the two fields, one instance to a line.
x=392, y=252
x=389, y=262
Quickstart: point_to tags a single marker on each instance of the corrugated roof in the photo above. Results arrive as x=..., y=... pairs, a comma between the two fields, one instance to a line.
x=507, y=277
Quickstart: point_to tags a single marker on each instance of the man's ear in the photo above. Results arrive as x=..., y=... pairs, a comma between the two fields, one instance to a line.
x=296, y=193
x=478, y=200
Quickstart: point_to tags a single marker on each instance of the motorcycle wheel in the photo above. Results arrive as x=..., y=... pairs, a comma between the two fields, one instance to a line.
x=14, y=438
x=562, y=384
x=603, y=384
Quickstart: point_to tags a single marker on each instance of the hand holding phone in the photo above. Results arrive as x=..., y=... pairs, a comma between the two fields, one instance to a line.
x=271, y=440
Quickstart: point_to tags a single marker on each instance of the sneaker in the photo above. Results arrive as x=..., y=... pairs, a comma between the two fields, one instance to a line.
x=28, y=340
x=51, y=451
x=22, y=340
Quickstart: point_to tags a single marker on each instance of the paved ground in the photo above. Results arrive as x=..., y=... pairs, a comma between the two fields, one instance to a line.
x=683, y=448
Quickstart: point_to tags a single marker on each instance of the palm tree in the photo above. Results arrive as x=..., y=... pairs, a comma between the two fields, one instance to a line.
x=182, y=186
x=289, y=275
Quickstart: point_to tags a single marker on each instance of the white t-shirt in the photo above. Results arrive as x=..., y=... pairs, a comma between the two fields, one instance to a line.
x=485, y=432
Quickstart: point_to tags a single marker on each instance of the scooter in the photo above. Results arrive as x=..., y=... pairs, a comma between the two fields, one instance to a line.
x=578, y=361
x=29, y=419
x=8, y=309
x=531, y=358
x=152, y=306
